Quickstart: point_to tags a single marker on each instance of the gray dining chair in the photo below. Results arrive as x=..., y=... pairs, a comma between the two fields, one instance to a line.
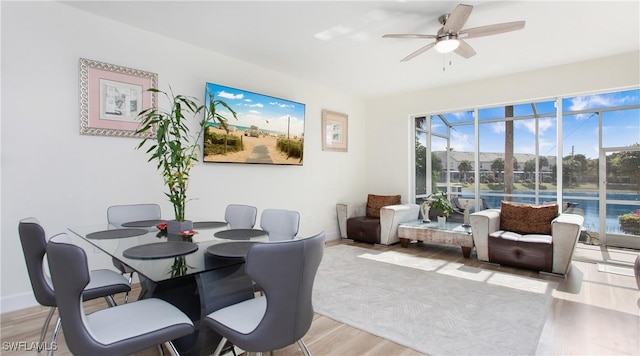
x=280, y=224
x=104, y=283
x=240, y=216
x=121, y=330
x=121, y=214
x=282, y=316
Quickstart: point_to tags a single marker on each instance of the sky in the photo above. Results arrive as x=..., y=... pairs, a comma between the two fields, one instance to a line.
x=620, y=128
x=266, y=112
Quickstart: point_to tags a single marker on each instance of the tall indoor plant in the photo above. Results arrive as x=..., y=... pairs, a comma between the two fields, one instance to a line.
x=173, y=147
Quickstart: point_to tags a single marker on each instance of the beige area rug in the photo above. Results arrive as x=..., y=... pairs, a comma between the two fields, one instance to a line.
x=432, y=306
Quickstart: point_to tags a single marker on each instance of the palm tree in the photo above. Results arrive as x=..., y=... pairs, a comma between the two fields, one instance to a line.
x=465, y=166
x=508, y=152
x=497, y=165
x=529, y=167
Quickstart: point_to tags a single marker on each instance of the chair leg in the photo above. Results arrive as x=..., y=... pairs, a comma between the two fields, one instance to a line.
x=45, y=327
x=304, y=348
x=109, y=299
x=172, y=349
x=220, y=346
x=54, y=338
x=126, y=294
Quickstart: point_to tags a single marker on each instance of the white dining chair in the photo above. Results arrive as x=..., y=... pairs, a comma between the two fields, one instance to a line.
x=240, y=216
x=280, y=224
x=122, y=214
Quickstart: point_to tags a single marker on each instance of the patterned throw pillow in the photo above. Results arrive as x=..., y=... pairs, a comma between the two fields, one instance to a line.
x=375, y=202
x=527, y=218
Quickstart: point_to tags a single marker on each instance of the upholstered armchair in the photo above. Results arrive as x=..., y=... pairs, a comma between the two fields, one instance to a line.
x=527, y=236
x=376, y=220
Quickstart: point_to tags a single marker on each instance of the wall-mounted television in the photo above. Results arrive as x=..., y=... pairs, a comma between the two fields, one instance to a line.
x=268, y=130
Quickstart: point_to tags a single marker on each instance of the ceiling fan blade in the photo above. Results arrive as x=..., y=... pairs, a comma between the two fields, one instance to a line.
x=457, y=18
x=492, y=29
x=418, y=52
x=408, y=35
x=465, y=50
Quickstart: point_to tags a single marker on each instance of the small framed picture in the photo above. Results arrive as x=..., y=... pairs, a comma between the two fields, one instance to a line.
x=334, y=131
x=111, y=97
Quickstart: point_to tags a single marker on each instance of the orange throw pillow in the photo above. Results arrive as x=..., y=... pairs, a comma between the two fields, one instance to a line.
x=527, y=218
x=375, y=202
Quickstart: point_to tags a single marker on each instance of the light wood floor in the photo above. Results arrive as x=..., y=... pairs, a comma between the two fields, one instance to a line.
x=593, y=312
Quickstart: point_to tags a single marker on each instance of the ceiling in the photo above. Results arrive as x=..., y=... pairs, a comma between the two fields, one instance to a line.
x=339, y=44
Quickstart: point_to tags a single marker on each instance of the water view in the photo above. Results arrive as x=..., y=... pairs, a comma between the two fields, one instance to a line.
x=587, y=204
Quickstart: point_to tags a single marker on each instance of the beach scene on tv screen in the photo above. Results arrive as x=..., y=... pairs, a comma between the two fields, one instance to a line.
x=268, y=130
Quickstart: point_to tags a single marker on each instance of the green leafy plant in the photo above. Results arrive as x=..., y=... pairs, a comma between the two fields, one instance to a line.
x=173, y=147
x=630, y=223
x=438, y=202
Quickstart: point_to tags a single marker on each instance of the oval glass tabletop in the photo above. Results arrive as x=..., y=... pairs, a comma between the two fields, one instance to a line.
x=116, y=234
x=144, y=223
x=209, y=224
x=231, y=249
x=159, y=250
x=240, y=234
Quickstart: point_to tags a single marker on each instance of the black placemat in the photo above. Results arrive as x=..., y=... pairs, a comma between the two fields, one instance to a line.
x=143, y=223
x=116, y=234
x=231, y=249
x=240, y=234
x=208, y=224
x=159, y=250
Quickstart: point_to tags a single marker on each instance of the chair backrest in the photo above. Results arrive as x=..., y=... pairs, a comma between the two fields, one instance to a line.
x=120, y=214
x=286, y=272
x=34, y=248
x=280, y=224
x=240, y=216
x=70, y=275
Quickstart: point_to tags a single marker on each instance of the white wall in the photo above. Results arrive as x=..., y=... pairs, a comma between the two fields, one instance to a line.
x=63, y=178
x=389, y=150
x=51, y=172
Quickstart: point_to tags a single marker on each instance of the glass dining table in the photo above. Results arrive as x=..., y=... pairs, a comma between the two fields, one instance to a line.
x=199, y=274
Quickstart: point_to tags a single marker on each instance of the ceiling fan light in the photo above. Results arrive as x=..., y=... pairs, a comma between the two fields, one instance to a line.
x=447, y=45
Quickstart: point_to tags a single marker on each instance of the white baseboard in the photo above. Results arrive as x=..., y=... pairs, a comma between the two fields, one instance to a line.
x=17, y=302
x=332, y=236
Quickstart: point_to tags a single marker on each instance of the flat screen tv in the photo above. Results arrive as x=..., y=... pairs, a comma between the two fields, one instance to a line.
x=268, y=130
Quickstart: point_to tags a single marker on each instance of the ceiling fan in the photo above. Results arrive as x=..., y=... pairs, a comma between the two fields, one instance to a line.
x=450, y=37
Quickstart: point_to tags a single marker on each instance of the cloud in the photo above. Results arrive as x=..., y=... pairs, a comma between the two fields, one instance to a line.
x=224, y=94
x=281, y=105
x=258, y=105
x=543, y=125
x=497, y=127
x=599, y=101
x=461, y=142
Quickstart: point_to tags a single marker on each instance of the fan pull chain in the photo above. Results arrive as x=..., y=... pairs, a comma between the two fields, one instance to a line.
x=443, y=62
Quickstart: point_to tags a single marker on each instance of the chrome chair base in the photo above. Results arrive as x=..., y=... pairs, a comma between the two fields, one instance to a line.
x=223, y=342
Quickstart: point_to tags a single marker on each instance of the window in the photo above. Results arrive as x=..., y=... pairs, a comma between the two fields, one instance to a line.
x=517, y=156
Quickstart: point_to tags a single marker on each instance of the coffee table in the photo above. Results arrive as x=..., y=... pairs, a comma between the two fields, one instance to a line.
x=450, y=233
